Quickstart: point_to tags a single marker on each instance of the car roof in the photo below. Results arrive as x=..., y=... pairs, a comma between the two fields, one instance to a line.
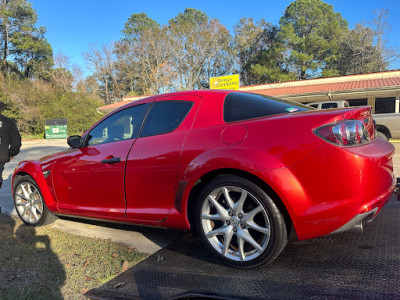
x=201, y=93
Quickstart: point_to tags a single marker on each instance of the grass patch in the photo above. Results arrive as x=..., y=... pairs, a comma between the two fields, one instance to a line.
x=45, y=263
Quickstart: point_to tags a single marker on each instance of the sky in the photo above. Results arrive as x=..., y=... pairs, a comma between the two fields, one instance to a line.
x=73, y=26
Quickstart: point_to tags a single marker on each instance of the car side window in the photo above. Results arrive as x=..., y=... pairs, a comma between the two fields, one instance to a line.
x=123, y=125
x=329, y=105
x=165, y=116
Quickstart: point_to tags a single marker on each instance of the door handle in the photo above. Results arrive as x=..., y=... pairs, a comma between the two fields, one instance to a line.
x=113, y=160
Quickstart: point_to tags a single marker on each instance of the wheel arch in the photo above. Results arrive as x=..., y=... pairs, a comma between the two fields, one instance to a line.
x=33, y=169
x=208, y=177
x=384, y=130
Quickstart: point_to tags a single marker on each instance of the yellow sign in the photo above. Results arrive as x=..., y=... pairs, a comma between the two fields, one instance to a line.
x=230, y=82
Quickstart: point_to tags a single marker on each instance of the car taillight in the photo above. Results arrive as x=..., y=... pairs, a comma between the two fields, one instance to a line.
x=344, y=133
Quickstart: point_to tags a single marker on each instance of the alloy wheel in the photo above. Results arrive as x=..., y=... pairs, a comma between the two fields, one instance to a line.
x=235, y=223
x=28, y=202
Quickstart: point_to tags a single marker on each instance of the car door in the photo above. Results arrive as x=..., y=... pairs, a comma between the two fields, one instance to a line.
x=90, y=180
x=152, y=164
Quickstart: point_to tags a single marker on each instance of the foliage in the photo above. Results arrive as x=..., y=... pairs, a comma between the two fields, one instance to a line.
x=136, y=24
x=259, y=52
x=310, y=30
x=23, y=49
x=311, y=40
x=198, y=48
x=30, y=103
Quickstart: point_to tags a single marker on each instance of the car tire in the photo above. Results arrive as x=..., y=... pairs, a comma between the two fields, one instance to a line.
x=29, y=203
x=234, y=209
x=382, y=135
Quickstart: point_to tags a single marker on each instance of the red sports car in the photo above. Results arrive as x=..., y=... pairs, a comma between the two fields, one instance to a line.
x=241, y=169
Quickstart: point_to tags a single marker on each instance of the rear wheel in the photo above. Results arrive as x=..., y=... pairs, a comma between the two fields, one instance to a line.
x=29, y=203
x=239, y=222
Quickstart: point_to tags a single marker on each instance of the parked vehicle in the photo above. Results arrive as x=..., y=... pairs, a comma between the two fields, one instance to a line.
x=243, y=170
x=329, y=104
x=388, y=125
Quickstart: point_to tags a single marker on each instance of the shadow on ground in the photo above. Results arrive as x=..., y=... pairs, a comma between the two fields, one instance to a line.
x=339, y=266
x=29, y=269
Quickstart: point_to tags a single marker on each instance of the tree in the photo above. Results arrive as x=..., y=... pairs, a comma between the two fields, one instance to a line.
x=142, y=66
x=259, y=52
x=385, y=55
x=363, y=49
x=311, y=31
x=197, y=48
x=357, y=53
x=23, y=46
x=103, y=65
x=136, y=24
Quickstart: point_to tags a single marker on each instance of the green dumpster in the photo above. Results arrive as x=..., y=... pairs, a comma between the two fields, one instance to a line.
x=56, y=129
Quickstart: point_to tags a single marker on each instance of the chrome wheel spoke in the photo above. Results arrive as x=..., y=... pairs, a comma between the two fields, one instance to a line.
x=258, y=228
x=36, y=202
x=20, y=204
x=228, y=198
x=22, y=196
x=221, y=210
x=26, y=209
x=34, y=214
x=25, y=190
x=240, y=203
x=250, y=215
x=218, y=231
x=244, y=234
x=227, y=240
x=241, y=248
x=213, y=217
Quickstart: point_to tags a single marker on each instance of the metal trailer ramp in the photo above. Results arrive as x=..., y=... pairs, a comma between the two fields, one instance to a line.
x=342, y=266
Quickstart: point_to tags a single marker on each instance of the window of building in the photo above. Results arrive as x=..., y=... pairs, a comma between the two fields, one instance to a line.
x=358, y=102
x=385, y=105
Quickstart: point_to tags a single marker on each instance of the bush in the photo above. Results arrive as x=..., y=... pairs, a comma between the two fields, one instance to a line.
x=30, y=103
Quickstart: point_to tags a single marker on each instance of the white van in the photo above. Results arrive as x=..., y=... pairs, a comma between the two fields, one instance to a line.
x=329, y=104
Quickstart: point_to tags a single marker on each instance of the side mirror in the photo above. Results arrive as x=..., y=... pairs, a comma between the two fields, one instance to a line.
x=75, y=141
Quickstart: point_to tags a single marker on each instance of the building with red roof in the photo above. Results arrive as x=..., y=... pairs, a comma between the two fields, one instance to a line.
x=379, y=90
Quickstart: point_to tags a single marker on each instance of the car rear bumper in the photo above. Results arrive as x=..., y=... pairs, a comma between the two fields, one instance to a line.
x=334, y=188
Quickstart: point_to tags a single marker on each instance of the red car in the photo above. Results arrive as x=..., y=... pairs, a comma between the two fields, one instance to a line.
x=243, y=170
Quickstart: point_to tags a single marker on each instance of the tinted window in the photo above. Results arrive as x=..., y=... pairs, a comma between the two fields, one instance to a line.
x=385, y=105
x=358, y=102
x=242, y=106
x=165, y=116
x=329, y=105
x=314, y=105
x=121, y=126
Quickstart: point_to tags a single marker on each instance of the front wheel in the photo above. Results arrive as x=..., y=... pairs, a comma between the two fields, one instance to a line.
x=240, y=223
x=29, y=203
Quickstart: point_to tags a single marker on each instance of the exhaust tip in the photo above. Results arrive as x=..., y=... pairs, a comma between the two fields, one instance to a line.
x=357, y=228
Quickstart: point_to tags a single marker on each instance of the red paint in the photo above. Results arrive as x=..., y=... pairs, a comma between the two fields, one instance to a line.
x=322, y=186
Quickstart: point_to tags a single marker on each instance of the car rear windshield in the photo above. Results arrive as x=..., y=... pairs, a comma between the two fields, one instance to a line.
x=243, y=106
